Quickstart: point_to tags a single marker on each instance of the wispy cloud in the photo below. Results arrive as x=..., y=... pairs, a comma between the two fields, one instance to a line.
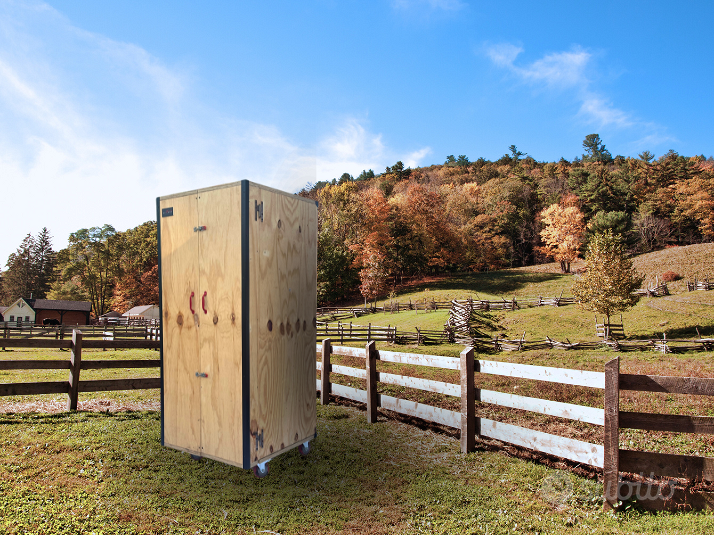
x=94, y=130
x=571, y=72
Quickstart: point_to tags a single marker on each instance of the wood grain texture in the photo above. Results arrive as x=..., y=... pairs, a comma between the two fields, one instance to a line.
x=218, y=305
x=436, y=361
x=283, y=301
x=75, y=365
x=667, y=465
x=662, y=383
x=129, y=363
x=106, y=385
x=350, y=393
x=543, y=406
x=544, y=373
x=667, y=422
x=179, y=278
x=371, y=377
x=39, y=343
x=468, y=400
x=420, y=410
x=427, y=385
x=122, y=344
x=31, y=389
x=325, y=371
x=34, y=364
x=611, y=440
x=567, y=448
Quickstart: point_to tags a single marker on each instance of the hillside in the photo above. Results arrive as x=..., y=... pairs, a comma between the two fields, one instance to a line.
x=676, y=315
x=466, y=216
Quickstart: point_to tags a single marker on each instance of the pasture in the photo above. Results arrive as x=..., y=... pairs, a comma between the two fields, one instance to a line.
x=102, y=469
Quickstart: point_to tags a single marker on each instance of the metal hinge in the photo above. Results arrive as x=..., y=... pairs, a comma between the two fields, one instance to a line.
x=258, y=440
x=259, y=211
x=199, y=229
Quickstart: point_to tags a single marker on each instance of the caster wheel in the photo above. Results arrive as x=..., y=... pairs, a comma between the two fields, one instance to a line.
x=196, y=457
x=304, y=448
x=260, y=471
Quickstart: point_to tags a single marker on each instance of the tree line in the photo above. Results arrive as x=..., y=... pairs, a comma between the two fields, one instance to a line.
x=376, y=229
x=112, y=270
x=481, y=215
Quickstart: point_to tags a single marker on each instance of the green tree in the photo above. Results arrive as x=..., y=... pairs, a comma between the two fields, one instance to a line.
x=595, y=150
x=92, y=262
x=30, y=270
x=463, y=161
x=609, y=281
x=43, y=264
x=18, y=279
x=515, y=153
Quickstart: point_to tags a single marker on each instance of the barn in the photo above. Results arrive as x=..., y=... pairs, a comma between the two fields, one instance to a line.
x=35, y=311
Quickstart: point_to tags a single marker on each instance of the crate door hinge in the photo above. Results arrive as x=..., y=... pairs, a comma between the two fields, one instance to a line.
x=258, y=439
x=259, y=211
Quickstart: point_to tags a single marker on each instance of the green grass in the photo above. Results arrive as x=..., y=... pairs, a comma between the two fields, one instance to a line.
x=107, y=473
x=126, y=396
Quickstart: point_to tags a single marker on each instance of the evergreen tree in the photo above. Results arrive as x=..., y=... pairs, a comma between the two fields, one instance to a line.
x=18, y=279
x=43, y=264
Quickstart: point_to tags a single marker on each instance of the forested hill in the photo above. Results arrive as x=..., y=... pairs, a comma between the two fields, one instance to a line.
x=457, y=216
x=485, y=215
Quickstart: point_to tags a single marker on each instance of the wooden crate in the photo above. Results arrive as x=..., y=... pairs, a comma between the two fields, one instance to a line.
x=238, y=271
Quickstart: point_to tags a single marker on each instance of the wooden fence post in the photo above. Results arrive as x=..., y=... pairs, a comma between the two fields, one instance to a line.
x=468, y=400
x=371, y=364
x=611, y=442
x=74, y=366
x=7, y=334
x=325, y=385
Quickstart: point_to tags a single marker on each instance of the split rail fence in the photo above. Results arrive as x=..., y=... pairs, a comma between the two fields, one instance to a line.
x=608, y=456
x=74, y=386
x=700, y=285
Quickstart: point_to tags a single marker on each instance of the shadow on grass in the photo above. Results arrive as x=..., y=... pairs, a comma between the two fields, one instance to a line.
x=497, y=282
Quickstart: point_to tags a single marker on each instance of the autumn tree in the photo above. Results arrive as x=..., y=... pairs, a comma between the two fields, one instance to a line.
x=371, y=247
x=564, y=231
x=136, y=277
x=609, y=282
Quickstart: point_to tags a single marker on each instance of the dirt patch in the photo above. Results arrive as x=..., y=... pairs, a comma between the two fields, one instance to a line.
x=92, y=405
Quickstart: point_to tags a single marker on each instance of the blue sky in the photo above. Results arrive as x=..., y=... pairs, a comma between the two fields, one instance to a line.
x=106, y=105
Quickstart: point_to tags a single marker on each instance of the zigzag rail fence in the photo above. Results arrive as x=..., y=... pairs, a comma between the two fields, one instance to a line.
x=342, y=313
x=609, y=457
x=74, y=386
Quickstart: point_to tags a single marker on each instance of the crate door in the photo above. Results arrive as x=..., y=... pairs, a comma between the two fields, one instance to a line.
x=179, y=285
x=220, y=324
x=282, y=305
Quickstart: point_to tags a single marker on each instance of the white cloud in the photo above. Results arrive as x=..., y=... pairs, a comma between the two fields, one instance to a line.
x=416, y=158
x=568, y=72
x=94, y=130
x=602, y=113
x=503, y=54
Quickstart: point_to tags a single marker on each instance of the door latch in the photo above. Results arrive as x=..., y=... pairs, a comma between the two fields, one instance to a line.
x=259, y=211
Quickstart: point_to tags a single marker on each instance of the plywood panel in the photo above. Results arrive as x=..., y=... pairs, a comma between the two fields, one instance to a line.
x=283, y=253
x=179, y=275
x=219, y=311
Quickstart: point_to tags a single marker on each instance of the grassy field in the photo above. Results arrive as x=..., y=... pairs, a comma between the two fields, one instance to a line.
x=106, y=472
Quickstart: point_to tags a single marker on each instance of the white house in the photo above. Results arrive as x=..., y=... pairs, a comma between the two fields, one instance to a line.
x=19, y=312
x=144, y=312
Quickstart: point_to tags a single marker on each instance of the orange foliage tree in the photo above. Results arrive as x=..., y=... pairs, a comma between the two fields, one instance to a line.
x=564, y=231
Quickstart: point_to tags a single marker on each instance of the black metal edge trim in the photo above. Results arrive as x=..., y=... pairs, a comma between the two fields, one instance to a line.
x=245, y=315
x=161, y=304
